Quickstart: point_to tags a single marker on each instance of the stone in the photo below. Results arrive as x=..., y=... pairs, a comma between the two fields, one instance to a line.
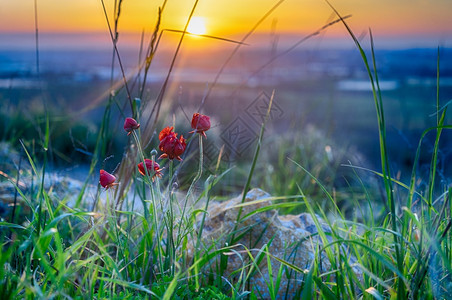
x=56, y=185
x=292, y=238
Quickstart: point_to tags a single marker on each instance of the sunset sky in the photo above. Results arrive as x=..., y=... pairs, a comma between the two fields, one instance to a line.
x=413, y=21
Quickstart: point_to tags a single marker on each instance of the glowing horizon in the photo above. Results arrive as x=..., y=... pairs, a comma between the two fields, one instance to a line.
x=397, y=20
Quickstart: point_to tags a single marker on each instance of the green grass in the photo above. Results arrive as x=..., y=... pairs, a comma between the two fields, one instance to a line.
x=144, y=239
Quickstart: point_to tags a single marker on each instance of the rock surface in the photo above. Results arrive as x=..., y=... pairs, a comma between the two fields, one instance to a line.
x=56, y=185
x=292, y=238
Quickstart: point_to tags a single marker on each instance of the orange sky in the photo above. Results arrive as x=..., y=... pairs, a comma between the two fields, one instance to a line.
x=396, y=18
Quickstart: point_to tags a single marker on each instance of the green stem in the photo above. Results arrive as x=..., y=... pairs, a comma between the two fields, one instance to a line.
x=153, y=200
x=434, y=162
x=41, y=189
x=170, y=248
x=142, y=159
x=198, y=175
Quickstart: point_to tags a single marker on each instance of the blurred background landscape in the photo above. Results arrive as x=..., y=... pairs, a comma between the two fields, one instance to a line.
x=321, y=85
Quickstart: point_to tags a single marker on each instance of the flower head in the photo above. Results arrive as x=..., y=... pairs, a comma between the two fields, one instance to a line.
x=171, y=146
x=165, y=132
x=130, y=124
x=107, y=180
x=200, y=123
x=152, y=167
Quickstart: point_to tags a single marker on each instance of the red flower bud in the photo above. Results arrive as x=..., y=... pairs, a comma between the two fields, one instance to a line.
x=170, y=145
x=107, y=180
x=152, y=167
x=200, y=123
x=130, y=124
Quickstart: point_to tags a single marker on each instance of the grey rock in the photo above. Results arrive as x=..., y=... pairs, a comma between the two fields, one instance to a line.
x=291, y=238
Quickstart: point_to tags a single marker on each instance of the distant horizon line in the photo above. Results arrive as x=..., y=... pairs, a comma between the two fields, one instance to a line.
x=23, y=40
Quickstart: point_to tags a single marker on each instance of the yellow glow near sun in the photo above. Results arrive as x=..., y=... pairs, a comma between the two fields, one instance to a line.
x=197, y=25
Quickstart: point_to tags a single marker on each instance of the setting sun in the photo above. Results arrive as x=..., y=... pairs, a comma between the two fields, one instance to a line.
x=197, y=26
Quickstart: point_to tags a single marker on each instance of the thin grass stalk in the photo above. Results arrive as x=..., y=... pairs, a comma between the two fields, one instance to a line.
x=434, y=163
x=142, y=159
x=100, y=148
x=114, y=41
x=111, y=96
x=168, y=215
x=248, y=183
x=154, y=203
x=170, y=174
x=94, y=160
x=416, y=161
x=285, y=52
x=436, y=223
x=439, y=124
x=38, y=75
x=41, y=188
x=19, y=168
x=197, y=250
x=242, y=42
x=323, y=189
x=205, y=36
x=423, y=267
x=433, y=166
x=423, y=270
x=399, y=244
x=256, y=155
x=152, y=48
x=437, y=86
x=382, y=129
x=129, y=97
x=383, y=148
x=158, y=238
x=158, y=102
x=193, y=184
x=36, y=37
x=140, y=54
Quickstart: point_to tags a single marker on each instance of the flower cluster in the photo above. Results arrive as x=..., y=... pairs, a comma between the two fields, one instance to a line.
x=171, y=146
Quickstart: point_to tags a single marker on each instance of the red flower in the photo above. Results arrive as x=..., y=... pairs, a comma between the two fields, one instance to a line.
x=130, y=124
x=200, y=123
x=165, y=132
x=170, y=145
x=152, y=167
x=107, y=180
